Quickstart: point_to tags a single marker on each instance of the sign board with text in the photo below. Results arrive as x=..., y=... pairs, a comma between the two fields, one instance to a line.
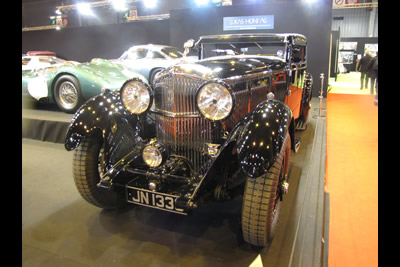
x=265, y=22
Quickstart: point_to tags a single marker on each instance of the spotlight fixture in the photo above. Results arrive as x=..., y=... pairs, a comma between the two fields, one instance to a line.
x=119, y=5
x=150, y=3
x=84, y=9
x=202, y=2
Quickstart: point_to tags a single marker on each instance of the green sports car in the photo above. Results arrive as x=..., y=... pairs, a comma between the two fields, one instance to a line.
x=68, y=83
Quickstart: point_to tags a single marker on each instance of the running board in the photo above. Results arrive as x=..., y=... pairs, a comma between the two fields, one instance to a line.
x=301, y=125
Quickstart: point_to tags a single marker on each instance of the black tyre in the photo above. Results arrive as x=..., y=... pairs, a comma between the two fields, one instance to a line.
x=153, y=75
x=262, y=200
x=86, y=168
x=67, y=93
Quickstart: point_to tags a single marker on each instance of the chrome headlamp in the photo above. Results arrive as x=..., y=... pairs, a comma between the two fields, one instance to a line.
x=154, y=154
x=136, y=96
x=214, y=101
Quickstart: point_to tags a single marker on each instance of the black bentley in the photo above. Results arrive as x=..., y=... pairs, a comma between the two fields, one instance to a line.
x=205, y=130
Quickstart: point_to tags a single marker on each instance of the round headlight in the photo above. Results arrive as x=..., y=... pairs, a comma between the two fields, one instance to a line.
x=214, y=101
x=136, y=96
x=152, y=156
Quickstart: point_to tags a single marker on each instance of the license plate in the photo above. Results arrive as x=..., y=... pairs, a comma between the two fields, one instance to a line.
x=152, y=199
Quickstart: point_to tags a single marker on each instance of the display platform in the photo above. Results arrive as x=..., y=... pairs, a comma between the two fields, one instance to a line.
x=60, y=228
x=45, y=122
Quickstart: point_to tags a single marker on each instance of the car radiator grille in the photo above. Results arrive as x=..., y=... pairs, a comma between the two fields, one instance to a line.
x=180, y=126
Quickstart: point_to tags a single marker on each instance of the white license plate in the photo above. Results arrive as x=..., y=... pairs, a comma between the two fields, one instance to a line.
x=152, y=199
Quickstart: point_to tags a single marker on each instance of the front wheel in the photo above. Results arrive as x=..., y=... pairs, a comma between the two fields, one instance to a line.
x=262, y=200
x=87, y=167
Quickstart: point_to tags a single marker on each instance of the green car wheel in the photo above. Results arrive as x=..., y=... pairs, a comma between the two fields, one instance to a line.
x=68, y=94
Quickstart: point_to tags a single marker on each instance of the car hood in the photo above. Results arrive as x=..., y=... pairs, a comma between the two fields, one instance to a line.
x=228, y=66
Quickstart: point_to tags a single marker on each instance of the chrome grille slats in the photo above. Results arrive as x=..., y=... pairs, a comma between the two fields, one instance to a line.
x=176, y=95
x=179, y=125
x=186, y=137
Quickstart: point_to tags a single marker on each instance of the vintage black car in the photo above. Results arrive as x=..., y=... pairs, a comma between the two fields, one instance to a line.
x=221, y=126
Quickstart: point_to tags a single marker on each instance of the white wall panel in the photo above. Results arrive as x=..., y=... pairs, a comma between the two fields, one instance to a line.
x=355, y=22
x=376, y=25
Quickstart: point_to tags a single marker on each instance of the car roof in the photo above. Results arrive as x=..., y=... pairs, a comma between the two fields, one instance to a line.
x=40, y=53
x=156, y=47
x=33, y=57
x=255, y=37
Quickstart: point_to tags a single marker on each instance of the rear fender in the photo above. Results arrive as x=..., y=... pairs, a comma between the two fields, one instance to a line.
x=307, y=95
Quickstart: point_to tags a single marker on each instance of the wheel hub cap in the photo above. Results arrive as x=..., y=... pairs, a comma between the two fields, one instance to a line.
x=68, y=94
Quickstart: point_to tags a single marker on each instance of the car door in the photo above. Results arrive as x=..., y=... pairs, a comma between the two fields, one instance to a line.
x=297, y=71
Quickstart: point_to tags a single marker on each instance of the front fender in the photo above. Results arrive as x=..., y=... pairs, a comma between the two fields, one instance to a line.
x=261, y=136
x=97, y=113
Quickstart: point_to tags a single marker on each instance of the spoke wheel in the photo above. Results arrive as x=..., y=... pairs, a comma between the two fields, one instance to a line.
x=88, y=165
x=68, y=94
x=262, y=200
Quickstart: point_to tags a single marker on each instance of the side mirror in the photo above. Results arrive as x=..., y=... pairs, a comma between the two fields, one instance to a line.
x=187, y=46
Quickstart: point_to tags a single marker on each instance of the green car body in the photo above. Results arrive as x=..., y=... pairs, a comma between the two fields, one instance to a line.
x=71, y=83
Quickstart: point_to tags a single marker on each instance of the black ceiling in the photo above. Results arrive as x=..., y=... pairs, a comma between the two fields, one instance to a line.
x=58, y=2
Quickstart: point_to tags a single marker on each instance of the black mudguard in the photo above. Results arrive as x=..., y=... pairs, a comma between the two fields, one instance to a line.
x=255, y=142
x=98, y=113
x=260, y=136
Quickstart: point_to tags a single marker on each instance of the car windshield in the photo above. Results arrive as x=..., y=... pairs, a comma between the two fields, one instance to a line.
x=247, y=48
x=51, y=60
x=25, y=61
x=135, y=53
x=172, y=52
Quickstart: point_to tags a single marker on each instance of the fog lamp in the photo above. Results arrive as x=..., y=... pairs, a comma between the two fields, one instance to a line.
x=154, y=154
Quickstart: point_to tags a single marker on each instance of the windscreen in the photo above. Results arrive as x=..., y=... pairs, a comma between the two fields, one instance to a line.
x=51, y=60
x=248, y=48
x=172, y=52
x=133, y=54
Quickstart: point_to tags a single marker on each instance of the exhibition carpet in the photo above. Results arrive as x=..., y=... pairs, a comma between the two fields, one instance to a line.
x=347, y=83
x=352, y=179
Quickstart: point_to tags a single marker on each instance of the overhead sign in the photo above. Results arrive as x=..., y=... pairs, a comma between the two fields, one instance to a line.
x=344, y=3
x=265, y=22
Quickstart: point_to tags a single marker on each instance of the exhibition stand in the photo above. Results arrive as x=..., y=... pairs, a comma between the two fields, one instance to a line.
x=330, y=213
x=58, y=225
x=352, y=179
x=45, y=125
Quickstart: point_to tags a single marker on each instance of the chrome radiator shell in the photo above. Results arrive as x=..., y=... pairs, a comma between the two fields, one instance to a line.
x=180, y=126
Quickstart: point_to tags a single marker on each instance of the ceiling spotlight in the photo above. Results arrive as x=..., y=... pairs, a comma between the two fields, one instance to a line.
x=119, y=5
x=150, y=3
x=58, y=12
x=202, y=2
x=84, y=9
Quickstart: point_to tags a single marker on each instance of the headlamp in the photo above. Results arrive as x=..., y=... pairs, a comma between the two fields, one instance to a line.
x=214, y=101
x=136, y=96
